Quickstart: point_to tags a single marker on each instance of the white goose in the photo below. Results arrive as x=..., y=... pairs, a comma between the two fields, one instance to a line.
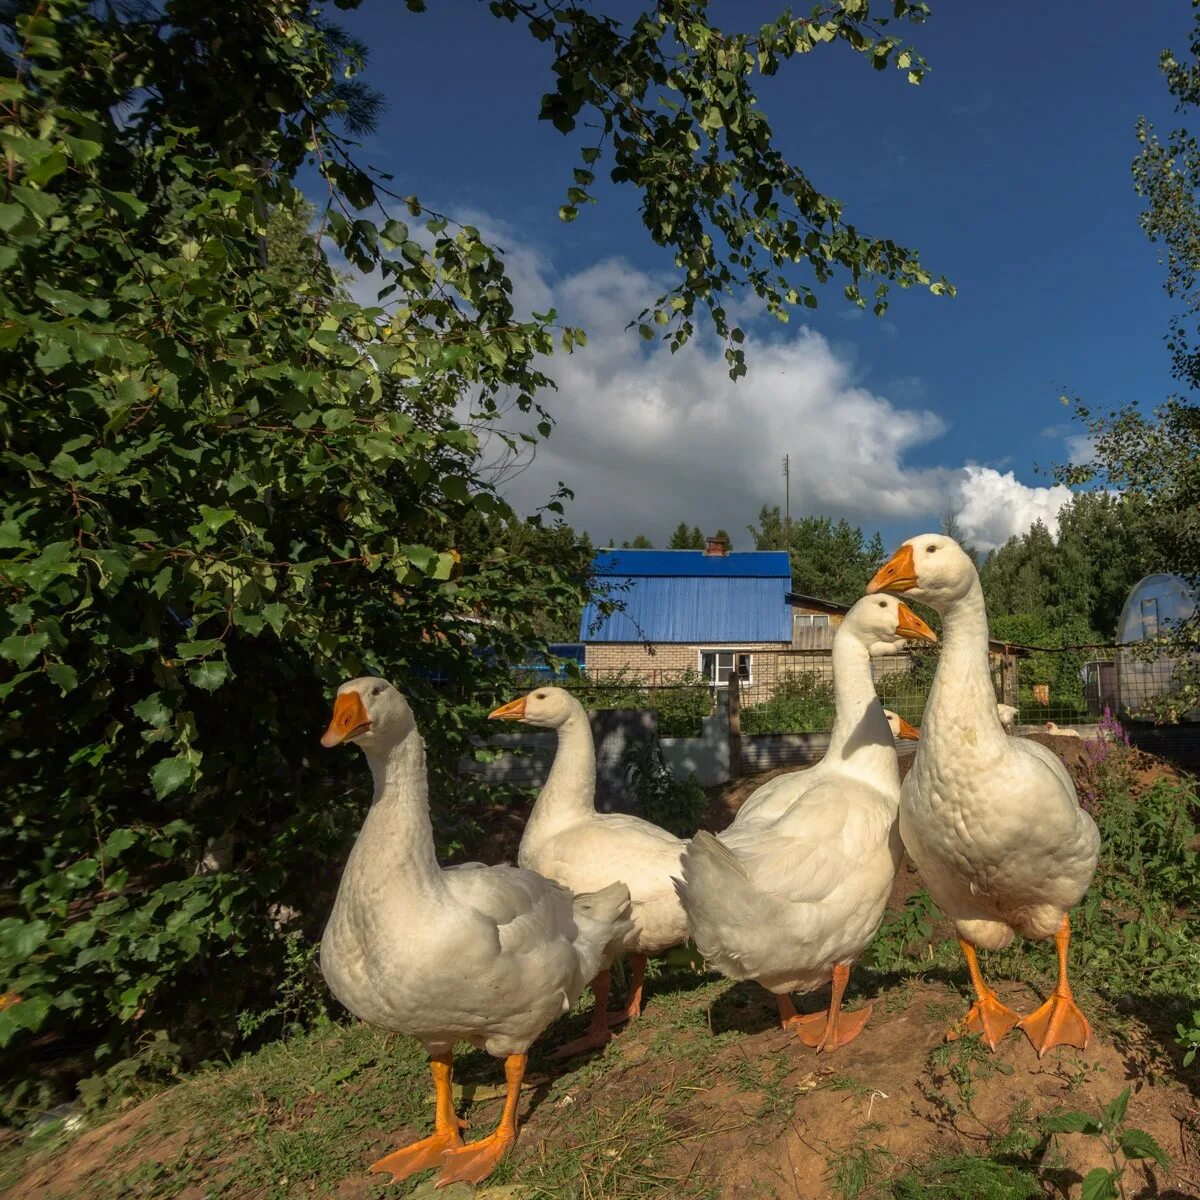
x=568, y=841
x=992, y=822
x=486, y=955
x=794, y=889
x=900, y=727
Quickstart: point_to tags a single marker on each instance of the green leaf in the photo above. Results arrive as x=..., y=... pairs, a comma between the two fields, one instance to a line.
x=1137, y=1143
x=1114, y=1114
x=80, y=873
x=28, y=1013
x=63, y=675
x=1098, y=1185
x=126, y=204
x=209, y=675
x=153, y=710
x=1070, y=1122
x=22, y=939
x=43, y=205
x=198, y=649
x=276, y=614
x=23, y=648
x=170, y=775
x=118, y=841
x=47, y=167
x=395, y=232
x=82, y=150
x=443, y=566
x=212, y=519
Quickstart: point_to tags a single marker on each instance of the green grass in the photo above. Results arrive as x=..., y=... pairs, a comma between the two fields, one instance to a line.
x=703, y=1081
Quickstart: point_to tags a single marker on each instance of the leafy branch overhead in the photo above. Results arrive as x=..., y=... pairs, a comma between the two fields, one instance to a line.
x=228, y=486
x=669, y=101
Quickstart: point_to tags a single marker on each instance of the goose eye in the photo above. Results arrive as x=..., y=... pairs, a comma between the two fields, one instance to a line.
x=377, y=689
x=540, y=696
x=930, y=549
x=883, y=604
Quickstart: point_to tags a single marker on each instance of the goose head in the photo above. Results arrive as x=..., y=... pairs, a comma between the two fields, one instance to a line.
x=546, y=707
x=883, y=624
x=369, y=712
x=900, y=727
x=931, y=568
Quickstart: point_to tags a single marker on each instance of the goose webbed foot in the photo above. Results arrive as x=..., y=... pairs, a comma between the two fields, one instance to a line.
x=826, y=1031
x=475, y=1161
x=987, y=1017
x=428, y=1152
x=419, y=1156
x=1058, y=1022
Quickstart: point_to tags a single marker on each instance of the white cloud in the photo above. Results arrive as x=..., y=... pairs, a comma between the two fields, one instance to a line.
x=647, y=438
x=993, y=507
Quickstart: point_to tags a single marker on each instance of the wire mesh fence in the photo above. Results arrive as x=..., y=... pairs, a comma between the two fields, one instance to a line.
x=791, y=691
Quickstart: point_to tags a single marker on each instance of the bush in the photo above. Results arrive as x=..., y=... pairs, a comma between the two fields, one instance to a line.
x=802, y=703
x=672, y=804
x=680, y=706
x=226, y=488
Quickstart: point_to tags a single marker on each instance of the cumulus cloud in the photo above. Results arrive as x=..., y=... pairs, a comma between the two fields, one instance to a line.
x=992, y=507
x=647, y=438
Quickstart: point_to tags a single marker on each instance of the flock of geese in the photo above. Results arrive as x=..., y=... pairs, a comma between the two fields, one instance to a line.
x=789, y=895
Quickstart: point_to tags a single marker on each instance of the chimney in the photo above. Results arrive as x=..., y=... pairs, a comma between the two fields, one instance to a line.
x=715, y=547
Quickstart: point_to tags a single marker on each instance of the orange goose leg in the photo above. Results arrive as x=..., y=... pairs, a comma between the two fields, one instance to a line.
x=473, y=1163
x=597, y=1034
x=987, y=1016
x=1058, y=1022
x=426, y=1153
x=633, y=1002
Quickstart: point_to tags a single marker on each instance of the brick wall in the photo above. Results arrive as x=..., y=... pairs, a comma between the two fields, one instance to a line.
x=669, y=660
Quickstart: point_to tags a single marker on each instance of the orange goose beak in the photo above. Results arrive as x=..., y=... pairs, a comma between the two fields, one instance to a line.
x=898, y=574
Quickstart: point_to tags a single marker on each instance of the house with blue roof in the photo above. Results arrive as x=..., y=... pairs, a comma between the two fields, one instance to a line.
x=712, y=612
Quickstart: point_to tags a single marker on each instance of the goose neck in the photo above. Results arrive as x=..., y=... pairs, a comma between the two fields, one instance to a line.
x=963, y=683
x=860, y=737
x=569, y=793
x=397, y=829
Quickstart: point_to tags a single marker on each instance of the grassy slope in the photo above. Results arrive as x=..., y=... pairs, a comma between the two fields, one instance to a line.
x=702, y=1097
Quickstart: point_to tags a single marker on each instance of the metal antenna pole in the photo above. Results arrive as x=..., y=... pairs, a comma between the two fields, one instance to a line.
x=787, y=504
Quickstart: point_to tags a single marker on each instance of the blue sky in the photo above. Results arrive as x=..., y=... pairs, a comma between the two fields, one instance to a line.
x=1008, y=168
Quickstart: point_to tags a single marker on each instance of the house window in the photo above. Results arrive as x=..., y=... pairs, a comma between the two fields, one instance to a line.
x=817, y=619
x=717, y=665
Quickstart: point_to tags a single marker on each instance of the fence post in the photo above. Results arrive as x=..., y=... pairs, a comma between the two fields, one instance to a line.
x=1008, y=678
x=735, y=724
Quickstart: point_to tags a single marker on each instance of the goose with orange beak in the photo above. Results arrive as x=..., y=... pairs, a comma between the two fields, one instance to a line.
x=900, y=727
x=568, y=841
x=992, y=822
x=791, y=893
x=485, y=955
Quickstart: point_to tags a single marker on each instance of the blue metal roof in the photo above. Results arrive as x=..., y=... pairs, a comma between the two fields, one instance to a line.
x=686, y=596
x=762, y=564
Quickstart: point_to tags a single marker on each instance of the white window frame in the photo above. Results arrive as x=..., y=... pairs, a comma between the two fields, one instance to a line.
x=735, y=651
x=811, y=620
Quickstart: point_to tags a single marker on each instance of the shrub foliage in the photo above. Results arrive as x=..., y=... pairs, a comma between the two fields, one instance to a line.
x=227, y=486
